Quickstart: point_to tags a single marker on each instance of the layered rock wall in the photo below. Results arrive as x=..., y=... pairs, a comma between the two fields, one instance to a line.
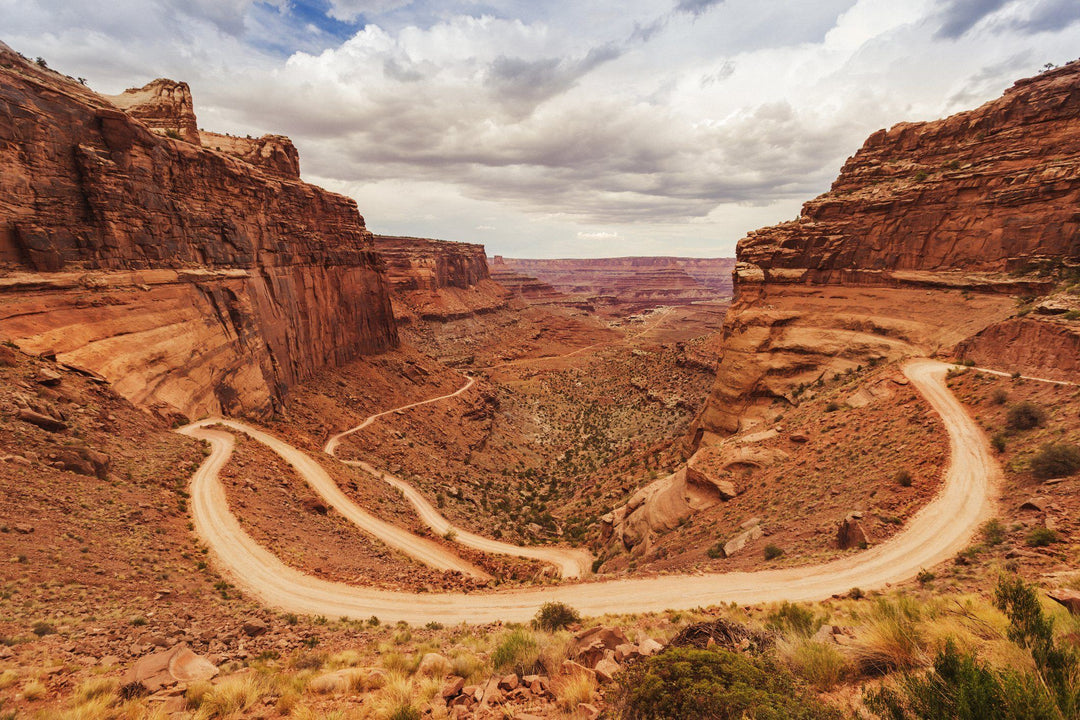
x=438, y=279
x=195, y=281
x=633, y=281
x=921, y=243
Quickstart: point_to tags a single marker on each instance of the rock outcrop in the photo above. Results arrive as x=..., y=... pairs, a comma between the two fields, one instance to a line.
x=439, y=280
x=526, y=287
x=923, y=241
x=274, y=153
x=634, y=282
x=194, y=281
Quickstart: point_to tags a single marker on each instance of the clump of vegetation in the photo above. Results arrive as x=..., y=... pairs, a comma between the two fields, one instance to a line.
x=963, y=687
x=42, y=628
x=693, y=684
x=993, y=532
x=999, y=442
x=772, y=552
x=555, y=616
x=903, y=479
x=518, y=652
x=1041, y=537
x=832, y=407
x=1000, y=397
x=1024, y=416
x=1054, y=460
x=793, y=619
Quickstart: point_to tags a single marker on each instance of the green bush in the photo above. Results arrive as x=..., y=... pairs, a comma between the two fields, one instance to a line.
x=519, y=652
x=792, y=618
x=1055, y=460
x=555, y=616
x=993, y=532
x=1041, y=537
x=772, y=552
x=1024, y=416
x=693, y=684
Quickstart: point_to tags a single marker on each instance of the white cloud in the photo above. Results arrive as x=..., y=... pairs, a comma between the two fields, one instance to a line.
x=574, y=128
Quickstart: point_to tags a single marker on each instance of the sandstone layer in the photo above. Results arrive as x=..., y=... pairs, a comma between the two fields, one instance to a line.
x=195, y=281
x=439, y=280
x=926, y=239
x=634, y=282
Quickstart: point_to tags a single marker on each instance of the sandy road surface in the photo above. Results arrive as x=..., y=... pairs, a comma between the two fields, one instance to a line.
x=571, y=563
x=426, y=551
x=936, y=533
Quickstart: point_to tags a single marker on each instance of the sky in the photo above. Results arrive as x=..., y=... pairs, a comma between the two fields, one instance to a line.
x=561, y=128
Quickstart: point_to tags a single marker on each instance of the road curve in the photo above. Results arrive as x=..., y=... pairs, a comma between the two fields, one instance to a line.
x=426, y=551
x=936, y=533
x=571, y=563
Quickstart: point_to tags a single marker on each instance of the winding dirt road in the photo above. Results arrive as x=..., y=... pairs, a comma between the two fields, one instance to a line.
x=571, y=563
x=940, y=530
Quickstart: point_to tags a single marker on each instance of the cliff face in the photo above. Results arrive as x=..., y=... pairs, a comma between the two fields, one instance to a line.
x=921, y=243
x=193, y=280
x=437, y=279
x=637, y=282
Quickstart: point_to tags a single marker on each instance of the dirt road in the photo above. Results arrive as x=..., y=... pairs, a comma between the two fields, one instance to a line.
x=940, y=530
x=571, y=563
x=426, y=551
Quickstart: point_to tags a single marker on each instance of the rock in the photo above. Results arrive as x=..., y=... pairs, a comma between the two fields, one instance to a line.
x=799, y=438
x=850, y=534
x=253, y=627
x=169, y=667
x=491, y=693
x=509, y=682
x=569, y=667
x=47, y=377
x=649, y=647
x=23, y=528
x=44, y=422
x=1070, y=599
x=8, y=358
x=588, y=710
x=314, y=506
x=433, y=665
x=591, y=645
x=254, y=280
x=1035, y=504
x=452, y=687
x=626, y=651
x=740, y=541
x=606, y=670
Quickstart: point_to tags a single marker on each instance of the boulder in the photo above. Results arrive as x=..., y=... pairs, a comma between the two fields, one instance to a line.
x=315, y=506
x=509, y=682
x=606, y=670
x=8, y=358
x=1070, y=599
x=452, y=687
x=649, y=647
x=850, y=533
x=740, y=541
x=253, y=627
x=169, y=667
x=45, y=422
x=47, y=377
x=433, y=665
x=1034, y=504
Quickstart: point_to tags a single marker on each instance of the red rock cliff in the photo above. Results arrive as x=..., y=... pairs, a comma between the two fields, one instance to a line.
x=438, y=279
x=193, y=280
x=920, y=244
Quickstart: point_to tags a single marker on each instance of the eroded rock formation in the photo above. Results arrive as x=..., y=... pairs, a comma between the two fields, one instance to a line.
x=921, y=243
x=635, y=282
x=194, y=281
x=439, y=280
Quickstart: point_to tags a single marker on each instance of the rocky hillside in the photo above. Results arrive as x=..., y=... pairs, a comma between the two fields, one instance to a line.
x=636, y=282
x=437, y=279
x=197, y=273
x=933, y=233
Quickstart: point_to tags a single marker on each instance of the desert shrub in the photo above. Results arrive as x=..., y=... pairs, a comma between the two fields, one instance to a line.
x=1024, y=416
x=890, y=640
x=772, y=552
x=716, y=550
x=832, y=407
x=42, y=628
x=574, y=689
x=228, y=698
x=1057, y=667
x=903, y=478
x=1055, y=460
x=999, y=397
x=999, y=442
x=792, y=619
x=693, y=684
x=820, y=664
x=961, y=688
x=993, y=532
x=519, y=652
x=1041, y=537
x=925, y=576
x=555, y=616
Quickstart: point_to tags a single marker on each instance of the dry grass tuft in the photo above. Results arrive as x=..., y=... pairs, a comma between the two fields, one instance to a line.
x=571, y=690
x=228, y=698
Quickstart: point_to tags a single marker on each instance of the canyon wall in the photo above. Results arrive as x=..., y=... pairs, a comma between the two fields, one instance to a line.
x=928, y=237
x=637, y=282
x=196, y=281
x=439, y=280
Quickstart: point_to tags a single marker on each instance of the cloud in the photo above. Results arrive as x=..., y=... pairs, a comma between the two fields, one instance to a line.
x=960, y=16
x=352, y=10
x=597, y=235
x=696, y=7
